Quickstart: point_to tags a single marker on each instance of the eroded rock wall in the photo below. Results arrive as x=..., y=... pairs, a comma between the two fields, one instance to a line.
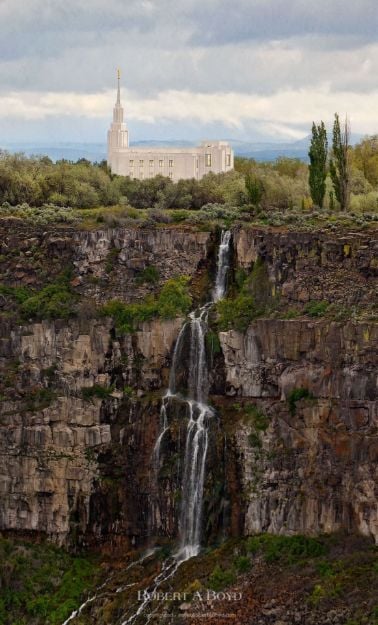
x=75, y=465
x=305, y=266
x=52, y=433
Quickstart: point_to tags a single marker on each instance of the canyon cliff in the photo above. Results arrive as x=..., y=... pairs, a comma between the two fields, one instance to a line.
x=293, y=445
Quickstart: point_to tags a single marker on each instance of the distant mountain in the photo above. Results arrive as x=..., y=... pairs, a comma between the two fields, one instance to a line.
x=96, y=152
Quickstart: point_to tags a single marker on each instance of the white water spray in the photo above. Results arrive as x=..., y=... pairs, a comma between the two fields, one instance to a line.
x=199, y=412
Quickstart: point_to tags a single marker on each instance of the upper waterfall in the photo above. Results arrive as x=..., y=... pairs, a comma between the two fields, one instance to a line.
x=222, y=266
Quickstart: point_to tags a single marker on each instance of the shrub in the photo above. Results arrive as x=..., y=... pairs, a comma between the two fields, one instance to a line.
x=236, y=312
x=149, y=275
x=295, y=395
x=18, y=293
x=39, y=399
x=128, y=316
x=111, y=259
x=102, y=392
x=288, y=549
x=220, y=578
x=256, y=418
x=254, y=440
x=174, y=299
x=316, y=309
x=242, y=564
x=54, y=301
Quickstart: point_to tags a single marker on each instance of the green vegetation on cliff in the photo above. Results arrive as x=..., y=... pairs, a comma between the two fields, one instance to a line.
x=42, y=584
x=54, y=301
x=173, y=301
x=250, y=298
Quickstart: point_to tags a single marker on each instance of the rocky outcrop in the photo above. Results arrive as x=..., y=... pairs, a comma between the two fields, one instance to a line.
x=105, y=263
x=306, y=266
x=111, y=262
x=332, y=359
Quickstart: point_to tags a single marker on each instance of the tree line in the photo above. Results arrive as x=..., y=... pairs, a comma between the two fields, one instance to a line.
x=337, y=176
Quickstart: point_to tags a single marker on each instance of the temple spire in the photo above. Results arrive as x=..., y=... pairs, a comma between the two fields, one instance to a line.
x=118, y=87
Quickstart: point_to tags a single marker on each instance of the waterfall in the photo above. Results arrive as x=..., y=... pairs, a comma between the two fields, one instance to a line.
x=222, y=266
x=196, y=444
x=199, y=412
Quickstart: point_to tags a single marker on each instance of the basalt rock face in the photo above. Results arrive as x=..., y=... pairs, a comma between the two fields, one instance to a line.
x=312, y=466
x=306, y=266
x=110, y=262
x=55, y=437
x=106, y=263
x=75, y=463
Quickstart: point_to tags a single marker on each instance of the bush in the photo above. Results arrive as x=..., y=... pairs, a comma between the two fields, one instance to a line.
x=316, y=309
x=255, y=417
x=54, y=301
x=288, y=549
x=173, y=301
x=39, y=399
x=149, y=275
x=18, y=293
x=254, y=440
x=127, y=317
x=295, y=395
x=220, y=578
x=102, y=392
x=236, y=312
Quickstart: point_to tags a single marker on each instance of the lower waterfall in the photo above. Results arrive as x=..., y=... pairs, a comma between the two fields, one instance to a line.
x=199, y=412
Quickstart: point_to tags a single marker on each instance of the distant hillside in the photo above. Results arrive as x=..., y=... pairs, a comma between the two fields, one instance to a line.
x=260, y=151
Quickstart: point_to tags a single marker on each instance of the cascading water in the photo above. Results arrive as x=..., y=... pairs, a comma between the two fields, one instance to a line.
x=196, y=445
x=222, y=266
x=199, y=412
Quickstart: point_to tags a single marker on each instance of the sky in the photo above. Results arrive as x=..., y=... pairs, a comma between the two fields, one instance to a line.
x=253, y=70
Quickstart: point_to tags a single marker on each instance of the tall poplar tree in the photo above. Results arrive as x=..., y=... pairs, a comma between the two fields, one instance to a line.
x=339, y=164
x=318, y=163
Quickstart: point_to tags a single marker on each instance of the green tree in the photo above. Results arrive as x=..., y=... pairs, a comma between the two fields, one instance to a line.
x=255, y=189
x=318, y=163
x=339, y=166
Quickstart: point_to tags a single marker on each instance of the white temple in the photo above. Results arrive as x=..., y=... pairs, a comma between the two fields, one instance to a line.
x=175, y=163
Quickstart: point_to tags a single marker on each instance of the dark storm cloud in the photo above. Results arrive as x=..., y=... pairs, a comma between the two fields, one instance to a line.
x=223, y=21
x=249, y=50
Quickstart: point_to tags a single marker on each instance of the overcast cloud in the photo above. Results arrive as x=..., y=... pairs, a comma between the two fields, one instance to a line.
x=245, y=68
